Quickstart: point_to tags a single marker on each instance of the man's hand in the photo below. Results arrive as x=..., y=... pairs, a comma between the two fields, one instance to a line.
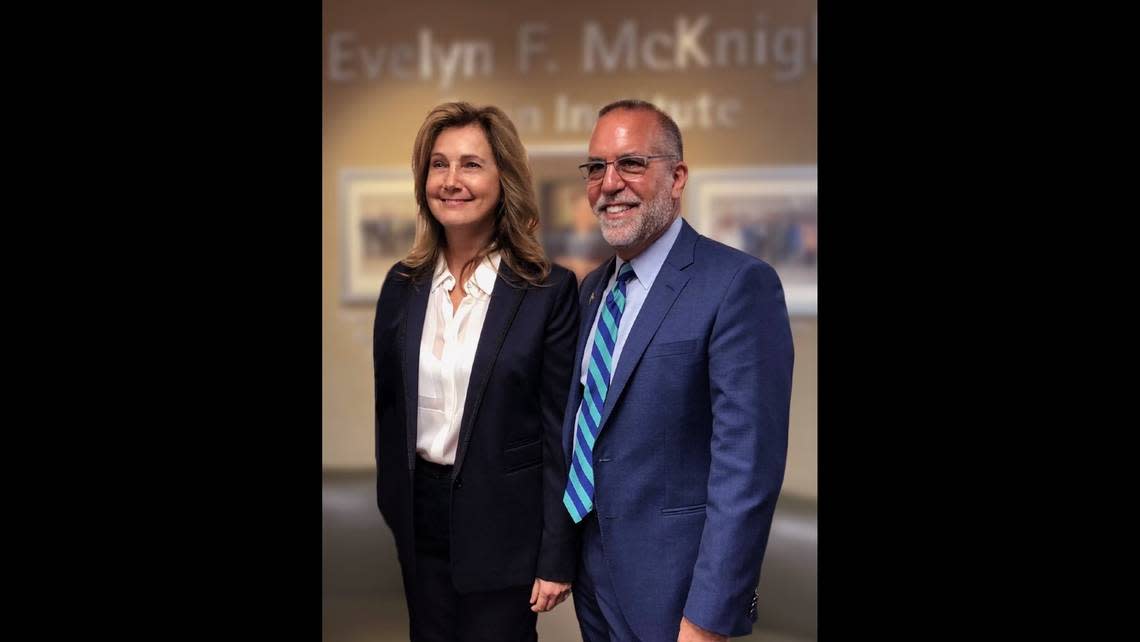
x=547, y=595
x=692, y=633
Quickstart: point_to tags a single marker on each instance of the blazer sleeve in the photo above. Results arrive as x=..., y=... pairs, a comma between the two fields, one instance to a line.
x=558, y=552
x=750, y=381
x=384, y=324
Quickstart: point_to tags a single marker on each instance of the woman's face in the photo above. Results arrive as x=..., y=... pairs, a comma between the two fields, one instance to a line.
x=462, y=180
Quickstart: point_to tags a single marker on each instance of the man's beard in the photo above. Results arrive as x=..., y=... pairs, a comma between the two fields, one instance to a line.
x=655, y=215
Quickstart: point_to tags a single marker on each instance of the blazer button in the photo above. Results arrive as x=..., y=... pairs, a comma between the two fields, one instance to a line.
x=459, y=482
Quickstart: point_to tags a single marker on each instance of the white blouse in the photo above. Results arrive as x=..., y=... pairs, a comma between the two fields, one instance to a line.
x=447, y=350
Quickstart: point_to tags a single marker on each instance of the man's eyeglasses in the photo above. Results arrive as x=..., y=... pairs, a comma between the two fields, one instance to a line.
x=629, y=167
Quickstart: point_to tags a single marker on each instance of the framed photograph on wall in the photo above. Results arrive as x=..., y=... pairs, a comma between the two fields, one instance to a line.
x=571, y=235
x=569, y=231
x=378, y=226
x=768, y=212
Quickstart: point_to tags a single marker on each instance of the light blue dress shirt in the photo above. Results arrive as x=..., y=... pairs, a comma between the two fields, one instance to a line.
x=645, y=266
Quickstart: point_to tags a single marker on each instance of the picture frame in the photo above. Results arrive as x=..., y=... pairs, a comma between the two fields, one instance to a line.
x=378, y=227
x=569, y=230
x=768, y=212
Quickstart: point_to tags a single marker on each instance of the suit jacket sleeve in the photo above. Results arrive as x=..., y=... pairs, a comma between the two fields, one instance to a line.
x=558, y=552
x=387, y=313
x=750, y=380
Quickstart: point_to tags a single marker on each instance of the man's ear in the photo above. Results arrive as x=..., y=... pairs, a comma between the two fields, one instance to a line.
x=680, y=177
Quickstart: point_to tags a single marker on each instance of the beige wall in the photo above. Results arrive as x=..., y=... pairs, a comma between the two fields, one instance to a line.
x=372, y=109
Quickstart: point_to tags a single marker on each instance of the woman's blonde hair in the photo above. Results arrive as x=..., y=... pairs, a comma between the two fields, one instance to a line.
x=515, y=234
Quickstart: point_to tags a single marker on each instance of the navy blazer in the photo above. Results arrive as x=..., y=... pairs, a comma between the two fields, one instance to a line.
x=507, y=521
x=693, y=438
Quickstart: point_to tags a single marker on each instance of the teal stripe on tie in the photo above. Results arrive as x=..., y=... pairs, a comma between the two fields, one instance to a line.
x=583, y=496
x=619, y=299
x=585, y=465
x=604, y=351
x=569, y=503
x=585, y=430
x=599, y=380
x=594, y=413
x=610, y=325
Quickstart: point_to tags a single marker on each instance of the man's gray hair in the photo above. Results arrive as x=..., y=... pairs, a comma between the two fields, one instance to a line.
x=672, y=132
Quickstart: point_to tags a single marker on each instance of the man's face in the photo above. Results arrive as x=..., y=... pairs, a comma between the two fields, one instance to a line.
x=633, y=212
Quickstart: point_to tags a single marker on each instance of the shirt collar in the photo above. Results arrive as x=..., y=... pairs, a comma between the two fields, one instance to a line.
x=481, y=283
x=647, y=264
x=485, y=274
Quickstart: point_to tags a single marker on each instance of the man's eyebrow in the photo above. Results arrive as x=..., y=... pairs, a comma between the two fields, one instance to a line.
x=622, y=155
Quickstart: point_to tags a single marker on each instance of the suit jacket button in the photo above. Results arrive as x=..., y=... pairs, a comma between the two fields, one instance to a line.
x=459, y=482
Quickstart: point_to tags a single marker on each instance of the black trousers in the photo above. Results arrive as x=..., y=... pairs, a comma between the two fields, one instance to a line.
x=438, y=612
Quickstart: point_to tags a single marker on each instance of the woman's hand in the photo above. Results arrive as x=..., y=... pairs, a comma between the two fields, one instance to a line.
x=547, y=595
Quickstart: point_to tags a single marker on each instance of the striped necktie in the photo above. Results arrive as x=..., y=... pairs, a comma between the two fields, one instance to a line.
x=579, y=495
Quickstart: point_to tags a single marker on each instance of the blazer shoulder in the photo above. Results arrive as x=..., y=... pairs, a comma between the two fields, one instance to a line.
x=398, y=272
x=560, y=283
x=398, y=279
x=558, y=275
x=728, y=258
x=595, y=275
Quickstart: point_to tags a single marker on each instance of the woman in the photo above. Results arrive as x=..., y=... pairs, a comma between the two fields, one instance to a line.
x=472, y=346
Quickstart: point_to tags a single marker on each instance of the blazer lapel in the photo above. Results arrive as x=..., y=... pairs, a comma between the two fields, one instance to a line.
x=666, y=288
x=412, y=331
x=505, y=301
x=585, y=325
x=587, y=321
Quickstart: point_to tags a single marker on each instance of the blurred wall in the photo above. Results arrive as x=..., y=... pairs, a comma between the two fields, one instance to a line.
x=739, y=77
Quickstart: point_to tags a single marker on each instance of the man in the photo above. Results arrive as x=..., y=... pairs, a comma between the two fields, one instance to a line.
x=676, y=427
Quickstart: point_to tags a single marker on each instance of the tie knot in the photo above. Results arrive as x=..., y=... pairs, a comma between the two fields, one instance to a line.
x=625, y=273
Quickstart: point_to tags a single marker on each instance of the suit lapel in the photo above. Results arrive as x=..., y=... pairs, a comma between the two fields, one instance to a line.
x=587, y=322
x=505, y=301
x=594, y=299
x=412, y=331
x=666, y=288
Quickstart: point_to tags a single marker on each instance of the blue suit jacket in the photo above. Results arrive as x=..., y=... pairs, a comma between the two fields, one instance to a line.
x=694, y=432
